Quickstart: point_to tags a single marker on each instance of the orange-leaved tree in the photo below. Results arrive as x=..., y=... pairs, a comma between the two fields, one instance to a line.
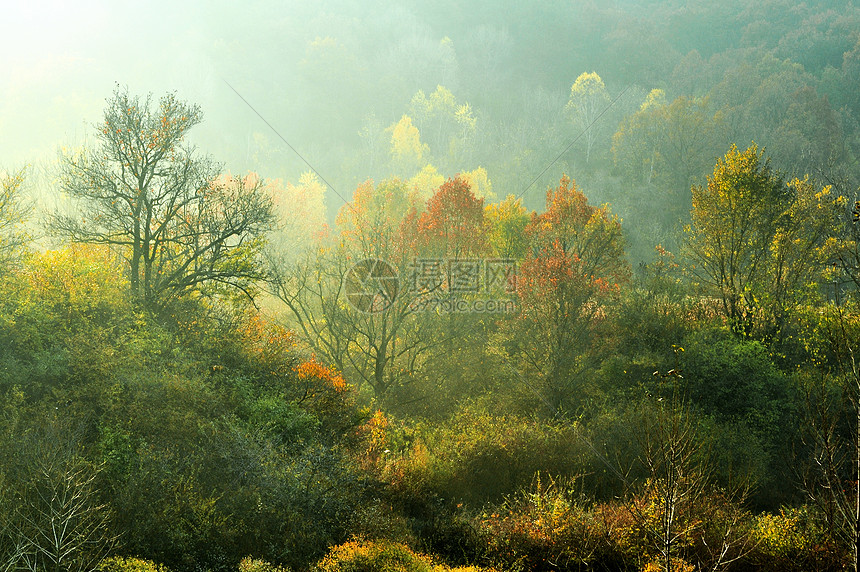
x=453, y=223
x=575, y=266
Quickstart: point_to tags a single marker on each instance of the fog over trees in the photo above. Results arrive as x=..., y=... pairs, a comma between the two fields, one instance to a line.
x=342, y=286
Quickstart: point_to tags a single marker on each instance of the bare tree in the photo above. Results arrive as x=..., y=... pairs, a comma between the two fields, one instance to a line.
x=679, y=509
x=676, y=477
x=13, y=211
x=833, y=431
x=370, y=330
x=177, y=224
x=53, y=520
x=350, y=296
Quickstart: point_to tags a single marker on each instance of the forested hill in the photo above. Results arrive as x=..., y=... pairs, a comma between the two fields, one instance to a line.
x=462, y=286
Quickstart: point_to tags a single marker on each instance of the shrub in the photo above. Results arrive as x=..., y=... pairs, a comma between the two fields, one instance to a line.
x=753, y=406
x=793, y=539
x=358, y=556
x=382, y=556
x=678, y=565
x=546, y=528
x=249, y=564
x=479, y=458
x=131, y=564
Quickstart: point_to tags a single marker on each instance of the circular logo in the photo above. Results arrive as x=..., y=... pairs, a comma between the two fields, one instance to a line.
x=371, y=285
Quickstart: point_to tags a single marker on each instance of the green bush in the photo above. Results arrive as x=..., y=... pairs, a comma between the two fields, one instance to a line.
x=477, y=458
x=754, y=407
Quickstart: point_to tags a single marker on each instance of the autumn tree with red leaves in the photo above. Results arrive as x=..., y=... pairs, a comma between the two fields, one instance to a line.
x=453, y=223
x=452, y=229
x=576, y=264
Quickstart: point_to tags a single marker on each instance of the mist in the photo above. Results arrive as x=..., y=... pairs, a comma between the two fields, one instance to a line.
x=507, y=285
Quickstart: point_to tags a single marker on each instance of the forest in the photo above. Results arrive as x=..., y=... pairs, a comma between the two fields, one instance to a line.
x=561, y=286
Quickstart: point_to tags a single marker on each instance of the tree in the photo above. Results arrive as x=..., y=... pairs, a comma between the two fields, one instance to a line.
x=846, y=247
x=178, y=225
x=676, y=477
x=451, y=240
x=479, y=183
x=345, y=297
x=13, y=211
x=448, y=125
x=850, y=73
x=633, y=147
x=576, y=263
x=809, y=135
x=821, y=39
x=833, y=430
x=507, y=221
x=670, y=143
x=301, y=213
x=754, y=238
x=678, y=508
x=588, y=99
x=734, y=221
x=453, y=224
x=426, y=181
x=407, y=150
x=799, y=251
x=55, y=520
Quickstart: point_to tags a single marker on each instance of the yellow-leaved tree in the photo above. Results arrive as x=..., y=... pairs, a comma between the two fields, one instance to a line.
x=479, y=182
x=588, y=99
x=507, y=221
x=754, y=239
x=427, y=181
x=406, y=147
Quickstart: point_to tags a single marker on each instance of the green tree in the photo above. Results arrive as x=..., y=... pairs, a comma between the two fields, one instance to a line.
x=850, y=74
x=809, y=137
x=670, y=145
x=178, y=225
x=846, y=247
